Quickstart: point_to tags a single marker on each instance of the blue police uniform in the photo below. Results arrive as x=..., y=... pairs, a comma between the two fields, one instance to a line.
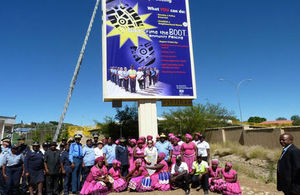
x=23, y=149
x=88, y=160
x=64, y=159
x=75, y=156
x=34, y=165
x=3, y=188
x=122, y=156
x=13, y=171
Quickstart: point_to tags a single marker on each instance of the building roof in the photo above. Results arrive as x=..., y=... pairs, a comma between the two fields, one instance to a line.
x=277, y=122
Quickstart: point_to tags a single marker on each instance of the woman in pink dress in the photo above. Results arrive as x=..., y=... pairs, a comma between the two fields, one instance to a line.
x=215, y=181
x=138, y=152
x=131, y=147
x=97, y=181
x=188, y=151
x=232, y=184
x=160, y=179
x=119, y=183
x=176, y=150
x=138, y=178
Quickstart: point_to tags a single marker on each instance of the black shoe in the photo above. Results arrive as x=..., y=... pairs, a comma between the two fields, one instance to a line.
x=205, y=191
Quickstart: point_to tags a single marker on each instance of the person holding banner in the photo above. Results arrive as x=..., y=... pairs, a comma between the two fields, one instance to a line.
x=132, y=76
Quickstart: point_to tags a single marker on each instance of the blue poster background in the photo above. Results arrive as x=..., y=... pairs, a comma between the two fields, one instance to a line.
x=169, y=43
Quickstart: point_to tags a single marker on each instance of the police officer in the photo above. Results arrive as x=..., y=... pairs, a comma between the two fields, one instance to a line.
x=5, y=149
x=13, y=169
x=96, y=138
x=66, y=169
x=23, y=149
x=75, y=156
x=34, y=168
x=52, y=166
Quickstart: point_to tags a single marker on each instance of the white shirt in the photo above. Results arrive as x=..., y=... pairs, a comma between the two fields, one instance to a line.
x=120, y=73
x=179, y=169
x=139, y=75
x=151, y=157
x=180, y=143
x=202, y=148
x=98, y=152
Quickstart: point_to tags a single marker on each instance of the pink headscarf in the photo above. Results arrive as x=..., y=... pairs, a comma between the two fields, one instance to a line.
x=173, y=137
x=177, y=139
x=162, y=155
x=198, y=134
x=117, y=141
x=140, y=142
x=157, y=137
x=170, y=134
x=188, y=136
x=99, y=159
x=142, y=137
x=215, y=161
x=133, y=140
x=118, y=163
x=229, y=164
x=149, y=137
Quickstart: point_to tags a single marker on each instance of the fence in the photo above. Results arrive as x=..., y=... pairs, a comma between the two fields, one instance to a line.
x=247, y=135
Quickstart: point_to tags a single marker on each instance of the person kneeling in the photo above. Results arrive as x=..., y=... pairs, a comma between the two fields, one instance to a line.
x=200, y=174
x=180, y=175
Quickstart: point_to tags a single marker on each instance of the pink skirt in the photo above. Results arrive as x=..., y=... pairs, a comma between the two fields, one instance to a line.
x=189, y=161
x=119, y=185
x=95, y=188
x=136, y=184
x=217, y=186
x=232, y=189
x=131, y=164
x=156, y=184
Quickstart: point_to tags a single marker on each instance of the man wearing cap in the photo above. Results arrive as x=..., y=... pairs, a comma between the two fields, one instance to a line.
x=5, y=149
x=13, y=169
x=164, y=146
x=96, y=138
x=122, y=156
x=52, y=166
x=63, y=144
x=34, y=168
x=109, y=153
x=23, y=148
x=45, y=147
x=88, y=154
x=75, y=157
x=66, y=169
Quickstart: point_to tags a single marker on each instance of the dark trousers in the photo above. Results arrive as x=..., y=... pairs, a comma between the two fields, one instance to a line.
x=76, y=174
x=3, y=187
x=67, y=181
x=183, y=182
x=141, y=83
x=52, y=184
x=196, y=182
x=132, y=85
x=85, y=171
x=124, y=170
x=153, y=80
x=126, y=82
x=121, y=82
x=23, y=184
x=13, y=181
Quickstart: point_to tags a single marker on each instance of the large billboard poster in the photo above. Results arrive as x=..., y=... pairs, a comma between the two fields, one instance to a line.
x=147, y=50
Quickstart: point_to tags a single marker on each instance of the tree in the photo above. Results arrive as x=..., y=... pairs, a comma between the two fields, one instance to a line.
x=296, y=122
x=295, y=117
x=195, y=118
x=281, y=119
x=256, y=119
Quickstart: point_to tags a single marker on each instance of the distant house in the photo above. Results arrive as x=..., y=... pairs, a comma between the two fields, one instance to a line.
x=287, y=122
x=7, y=125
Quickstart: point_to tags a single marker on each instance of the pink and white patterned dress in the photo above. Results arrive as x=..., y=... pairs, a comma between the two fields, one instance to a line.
x=218, y=185
x=131, y=158
x=136, y=183
x=176, y=152
x=231, y=188
x=189, y=155
x=160, y=179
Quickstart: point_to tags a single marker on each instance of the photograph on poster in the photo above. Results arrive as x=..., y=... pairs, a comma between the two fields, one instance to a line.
x=147, y=50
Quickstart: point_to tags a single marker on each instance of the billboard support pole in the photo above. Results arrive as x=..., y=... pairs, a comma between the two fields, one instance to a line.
x=147, y=116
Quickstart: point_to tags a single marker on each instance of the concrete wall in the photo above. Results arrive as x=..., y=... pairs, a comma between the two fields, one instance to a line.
x=266, y=137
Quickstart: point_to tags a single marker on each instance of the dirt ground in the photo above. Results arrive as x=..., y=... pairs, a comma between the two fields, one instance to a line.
x=249, y=187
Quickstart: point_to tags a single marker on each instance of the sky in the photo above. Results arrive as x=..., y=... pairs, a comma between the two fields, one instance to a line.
x=232, y=39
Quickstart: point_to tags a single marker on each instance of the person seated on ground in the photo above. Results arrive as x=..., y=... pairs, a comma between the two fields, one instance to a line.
x=119, y=183
x=215, y=181
x=138, y=178
x=200, y=174
x=97, y=182
x=180, y=175
x=232, y=184
x=160, y=179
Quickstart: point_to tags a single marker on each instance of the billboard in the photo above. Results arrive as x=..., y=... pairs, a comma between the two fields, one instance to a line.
x=147, y=50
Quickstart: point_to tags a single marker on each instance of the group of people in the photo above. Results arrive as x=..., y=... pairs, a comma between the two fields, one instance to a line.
x=104, y=166
x=145, y=76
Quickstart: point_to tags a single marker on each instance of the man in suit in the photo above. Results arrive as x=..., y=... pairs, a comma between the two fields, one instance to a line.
x=288, y=170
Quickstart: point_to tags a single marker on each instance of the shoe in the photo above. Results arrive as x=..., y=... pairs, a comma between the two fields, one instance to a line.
x=205, y=191
x=187, y=191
